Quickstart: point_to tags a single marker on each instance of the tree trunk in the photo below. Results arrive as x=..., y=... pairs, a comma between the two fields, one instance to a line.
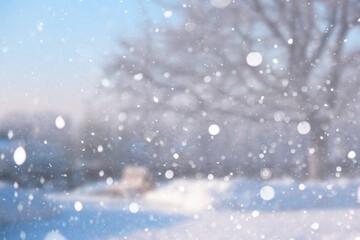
x=317, y=152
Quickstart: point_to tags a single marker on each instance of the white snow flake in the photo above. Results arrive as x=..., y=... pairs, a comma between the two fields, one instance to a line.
x=138, y=76
x=265, y=173
x=303, y=127
x=351, y=154
x=40, y=26
x=254, y=59
x=169, y=174
x=19, y=156
x=60, y=122
x=78, y=206
x=214, y=129
x=315, y=226
x=168, y=14
x=267, y=193
x=134, y=207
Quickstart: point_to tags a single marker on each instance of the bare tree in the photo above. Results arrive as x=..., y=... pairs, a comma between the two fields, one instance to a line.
x=197, y=67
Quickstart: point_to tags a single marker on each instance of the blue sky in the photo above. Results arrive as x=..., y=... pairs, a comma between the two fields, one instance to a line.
x=52, y=52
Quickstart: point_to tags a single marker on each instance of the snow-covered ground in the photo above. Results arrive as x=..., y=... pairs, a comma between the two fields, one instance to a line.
x=315, y=224
x=186, y=209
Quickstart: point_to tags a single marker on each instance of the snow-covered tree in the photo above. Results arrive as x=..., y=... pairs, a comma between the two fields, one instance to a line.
x=288, y=62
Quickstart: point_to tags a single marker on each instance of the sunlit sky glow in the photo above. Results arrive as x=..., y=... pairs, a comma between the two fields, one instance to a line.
x=52, y=52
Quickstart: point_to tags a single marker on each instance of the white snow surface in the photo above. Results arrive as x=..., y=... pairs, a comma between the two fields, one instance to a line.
x=187, y=196
x=21, y=205
x=187, y=209
x=333, y=224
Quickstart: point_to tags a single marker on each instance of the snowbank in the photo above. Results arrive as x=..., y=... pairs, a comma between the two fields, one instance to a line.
x=191, y=196
x=247, y=195
x=248, y=209
x=232, y=225
x=187, y=196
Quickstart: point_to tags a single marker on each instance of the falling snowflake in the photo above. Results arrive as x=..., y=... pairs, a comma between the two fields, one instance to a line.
x=254, y=59
x=19, y=156
x=214, y=129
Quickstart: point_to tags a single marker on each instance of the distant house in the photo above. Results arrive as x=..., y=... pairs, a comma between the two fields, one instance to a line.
x=134, y=181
